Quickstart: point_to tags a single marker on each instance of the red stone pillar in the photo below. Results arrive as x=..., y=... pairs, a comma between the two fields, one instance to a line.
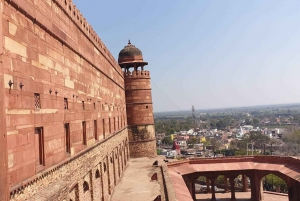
x=3, y=140
x=261, y=191
x=190, y=183
x=232, y=188
x=225, y=184
x=193, y=190
x=293, y=190
x=213, y=193
x=256, y=188
x=207, y=185
x=245, y=183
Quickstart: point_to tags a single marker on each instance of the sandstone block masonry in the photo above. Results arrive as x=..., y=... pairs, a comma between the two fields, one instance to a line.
x=63, y=112
x=91, y=175
x=3, y=137
x=139, y=107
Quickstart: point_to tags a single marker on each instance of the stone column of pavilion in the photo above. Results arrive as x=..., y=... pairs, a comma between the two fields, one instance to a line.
x=139, y=110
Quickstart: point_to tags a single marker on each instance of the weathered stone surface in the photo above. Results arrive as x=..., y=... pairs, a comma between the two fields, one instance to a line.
x=72, y=173
x=64, y=115
x=140, y=119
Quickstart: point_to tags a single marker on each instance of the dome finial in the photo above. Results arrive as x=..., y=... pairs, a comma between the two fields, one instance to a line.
x=129, y=43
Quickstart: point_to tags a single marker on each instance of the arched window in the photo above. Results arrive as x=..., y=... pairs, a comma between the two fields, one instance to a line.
x=85, y=186
x=104, y=167
x=97, y=174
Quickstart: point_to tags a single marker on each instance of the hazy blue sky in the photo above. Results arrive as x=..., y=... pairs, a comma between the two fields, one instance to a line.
x=206, y=53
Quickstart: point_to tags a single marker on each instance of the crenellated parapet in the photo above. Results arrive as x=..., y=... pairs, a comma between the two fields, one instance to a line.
x=82, y=23
x=74, y=14
x=137, y=74
x=61, y=9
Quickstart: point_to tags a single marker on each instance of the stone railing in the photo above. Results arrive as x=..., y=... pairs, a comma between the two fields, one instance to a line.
x=137, y=74
x=237, y=159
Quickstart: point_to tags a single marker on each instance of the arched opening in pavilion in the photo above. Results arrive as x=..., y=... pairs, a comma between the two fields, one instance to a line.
x=276, y=184
x=226, y=187
x=273, y=183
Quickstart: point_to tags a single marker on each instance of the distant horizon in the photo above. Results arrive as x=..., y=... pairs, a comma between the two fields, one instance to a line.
x=229, y=107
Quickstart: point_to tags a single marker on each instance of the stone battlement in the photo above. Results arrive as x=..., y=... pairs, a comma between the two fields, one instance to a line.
x=137, y=74
x=81, y=22
x=59, y=8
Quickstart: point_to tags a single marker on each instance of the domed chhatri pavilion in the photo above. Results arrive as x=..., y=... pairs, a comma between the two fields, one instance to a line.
x=131, y=55
x=138, y=98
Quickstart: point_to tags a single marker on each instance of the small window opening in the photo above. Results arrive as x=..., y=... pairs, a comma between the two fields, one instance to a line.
x=84, y=132
x=95, y=130
x=109, y=125
x=85, y=186
x=37, y=101
x=104, y=167
x=39, y=139
x=97, y=174
x=66, y=103
x=68, y=139
x=114, y=123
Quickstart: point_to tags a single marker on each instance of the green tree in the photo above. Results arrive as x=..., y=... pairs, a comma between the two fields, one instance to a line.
x=221, y=124
x=167, y=140
x=291, y=145
x=221, y=179
x=212, y=124
x=255, y=122
x=193, y=140
x=233, y=144
x=259, y=140
x=248, y=121
x=215, y=143
x=272, y=180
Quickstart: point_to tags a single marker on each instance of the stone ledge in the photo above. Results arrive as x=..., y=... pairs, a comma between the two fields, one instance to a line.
x=275, y=193
x=168, y=185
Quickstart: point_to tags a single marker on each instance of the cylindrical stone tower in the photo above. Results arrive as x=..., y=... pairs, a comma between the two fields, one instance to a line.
x=141, y=131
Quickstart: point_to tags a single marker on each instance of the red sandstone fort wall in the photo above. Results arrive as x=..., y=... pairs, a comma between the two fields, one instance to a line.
x=50, y=49
x=67, y=180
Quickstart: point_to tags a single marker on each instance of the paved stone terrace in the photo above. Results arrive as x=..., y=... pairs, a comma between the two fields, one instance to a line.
x=136, y=184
